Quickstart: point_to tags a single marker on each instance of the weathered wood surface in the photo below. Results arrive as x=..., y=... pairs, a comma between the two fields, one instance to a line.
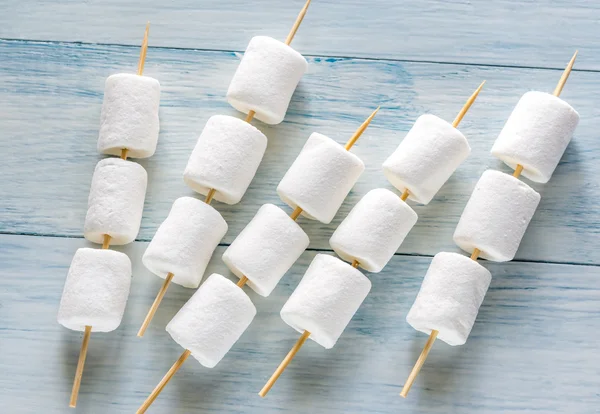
x=533, y=347
x=533, y=33
x=48, y=160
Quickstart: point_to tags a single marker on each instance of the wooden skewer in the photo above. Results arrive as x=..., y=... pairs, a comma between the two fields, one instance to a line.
x=355, y=264
x=210, y=195
x=164, y=382
x=475, y=254
x=296, y=213
x=155, y=305
x=80, y=364
x=467, y=105
x=286, y=361
x=405, y=195
x=143, y=51
x=124, y=152
x=559, y=87
x=296, y=25
x=250, y=116
x=242, y=281
x=106, y=241
x=419, y=364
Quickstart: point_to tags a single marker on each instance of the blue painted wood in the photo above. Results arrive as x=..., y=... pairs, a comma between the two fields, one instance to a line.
x=535, y=33
x=533, y=347
x=63, y=86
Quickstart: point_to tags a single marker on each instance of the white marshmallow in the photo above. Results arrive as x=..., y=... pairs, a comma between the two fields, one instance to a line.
x=129, y=116
x=326, y=299
x=425, y=159
x=450, y=297
x=212, y=321
x=320, y=178
x=266, y=79
x=96, y=290
x=374, y=229
x=185, y=242
x=225, y=158
x=116, y=201
x=496, y=216
x=536, y=135
x=266, y=249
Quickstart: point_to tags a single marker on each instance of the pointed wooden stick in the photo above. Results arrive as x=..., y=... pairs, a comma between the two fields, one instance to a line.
x=80, y=364
x=155, y=305
x=467, y=105
x=419, y=364
x=210, y=195
x=242, y=281
x=360, y=130
x=143, y=51
x=559, y=87
x=286, y=361
x=296, y=25
x=565, y=75
x=106, y=241
x=475, y=254
x=163, y=382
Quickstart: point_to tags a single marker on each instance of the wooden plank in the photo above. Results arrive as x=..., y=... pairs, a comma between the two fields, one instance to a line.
x=539, y=33
x=51, y=107
x=533, y=348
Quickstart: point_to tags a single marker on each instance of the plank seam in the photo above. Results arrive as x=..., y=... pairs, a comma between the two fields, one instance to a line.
x=310, y=249
x=342, y=57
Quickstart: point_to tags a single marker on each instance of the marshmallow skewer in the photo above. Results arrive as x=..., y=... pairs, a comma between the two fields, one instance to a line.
x=294, y=215
x=210, y=194
x=105, y=245
x=288, y=41
x=475, y=254
x=455, y=123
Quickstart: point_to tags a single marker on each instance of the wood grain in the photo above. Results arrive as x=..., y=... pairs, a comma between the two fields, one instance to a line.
x=51, y=109
x=538, y=33
x=533, y=347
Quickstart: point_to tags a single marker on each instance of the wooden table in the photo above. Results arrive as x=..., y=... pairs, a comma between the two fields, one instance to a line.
x=534, y=347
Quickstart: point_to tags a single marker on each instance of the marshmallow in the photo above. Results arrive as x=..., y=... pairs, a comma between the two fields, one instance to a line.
x=225, y=158
x=266, y=249
x=373, y=230
x=185, y=242
x=327, y=297
x=426, y=158
x=129, y=116
x=320, y=178
x=536, y=135
x=116, y=201
x=266, y=79
x=96, y=290
x=450, y=297
x=212, y=320
x=496, y=216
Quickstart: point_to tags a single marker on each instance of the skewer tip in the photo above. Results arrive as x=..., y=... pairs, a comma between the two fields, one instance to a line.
x=565, y=75
x=467, y=105
x=297, y=23
x=360, y=130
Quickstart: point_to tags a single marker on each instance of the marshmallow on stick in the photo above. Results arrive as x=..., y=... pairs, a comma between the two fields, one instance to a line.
x=494, y=220
x=331, y=291
x=224, y=162
x=98, y=281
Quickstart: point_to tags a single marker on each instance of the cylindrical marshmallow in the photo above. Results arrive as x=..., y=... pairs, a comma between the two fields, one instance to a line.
x=129, y=117
x=212, y=321
x=326, y=299
x=320, y=178
x=496, y=216
x=96, y=290
x=185, y=242
x=225, y=158
x=266, y=79
x=116, y=201
x=425, y=159
x=536, y=135
x=450, y=297
x=374, y=229
x=267, y=247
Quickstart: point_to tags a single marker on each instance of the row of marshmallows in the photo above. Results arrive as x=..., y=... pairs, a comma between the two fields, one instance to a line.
x=494, y=220
x=222, y=164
